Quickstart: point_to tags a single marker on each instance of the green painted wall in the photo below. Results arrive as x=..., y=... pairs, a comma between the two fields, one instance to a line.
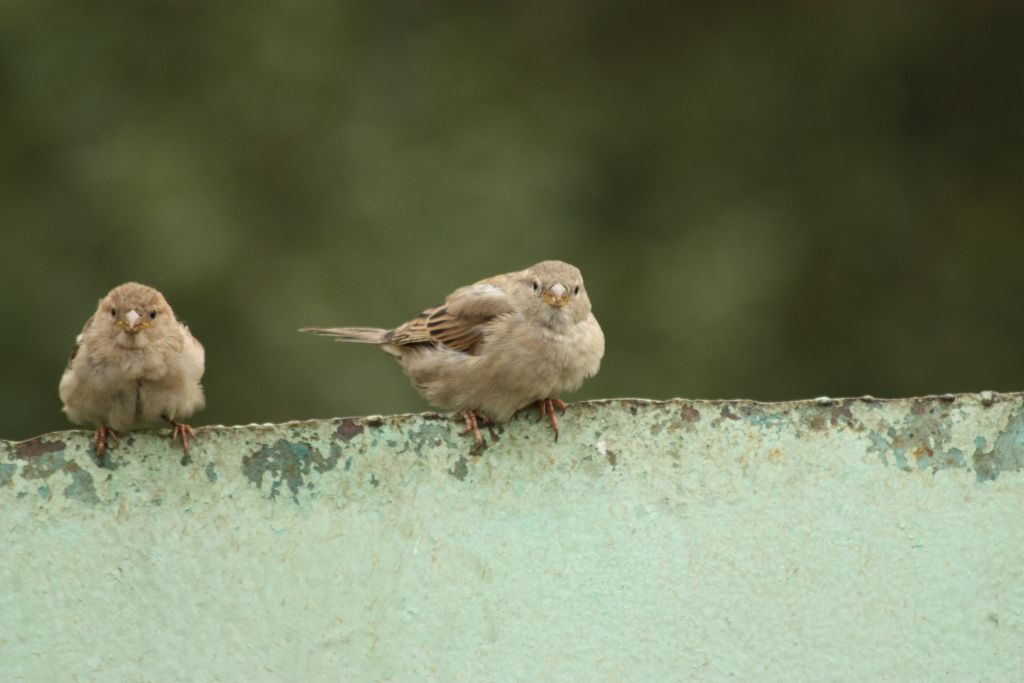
x=852, y=540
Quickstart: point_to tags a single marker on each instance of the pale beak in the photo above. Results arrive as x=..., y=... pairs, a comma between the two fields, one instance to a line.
x=132, y=318
x=556, y=295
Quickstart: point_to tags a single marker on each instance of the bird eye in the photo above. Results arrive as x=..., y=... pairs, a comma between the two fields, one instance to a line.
x=113, y=312
x=152, y=315
x=536, y=286
x=577, y=290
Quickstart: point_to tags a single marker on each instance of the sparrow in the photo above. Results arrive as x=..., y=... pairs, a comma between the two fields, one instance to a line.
x=133, y=364
x=497, y=346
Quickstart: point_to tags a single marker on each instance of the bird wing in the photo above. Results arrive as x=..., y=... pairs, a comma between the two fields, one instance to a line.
x=193, y=354
x=78, y=340
x=460, y=323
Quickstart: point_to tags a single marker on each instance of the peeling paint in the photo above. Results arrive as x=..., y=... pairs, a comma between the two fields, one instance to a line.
x=81, y=487
x=36, y=447
x=43, y=463
x=349, y=429
x=922, y=440
x=7, y=471
x=725, y=414
x=607, y=453
x=460, y=469
x=1007, y=453
x=981, y=433
x=689, y=414
x=286, y=462
x=842, y=414
x=429, y=435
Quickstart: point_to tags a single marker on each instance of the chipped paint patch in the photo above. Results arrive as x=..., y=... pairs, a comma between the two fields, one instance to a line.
x=7, y=471
x=286, y=462
x=842, y=416
x=1006, y=454
x=349, y=429
x=43, y=466
x=43, y=463
x=36, y=447
x=725, y=413
x=922, y=440
x=211, y=473
x=81, y=487
x=428, y=435
x=460, y=469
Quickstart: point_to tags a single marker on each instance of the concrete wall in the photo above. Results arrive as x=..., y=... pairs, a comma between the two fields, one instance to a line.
x=855, y=540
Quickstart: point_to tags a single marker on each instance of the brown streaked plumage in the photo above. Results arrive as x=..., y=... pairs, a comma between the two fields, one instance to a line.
x=132, y=365
x=497, y=345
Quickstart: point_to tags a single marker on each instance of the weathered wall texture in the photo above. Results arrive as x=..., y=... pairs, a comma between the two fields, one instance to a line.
x=854, y=540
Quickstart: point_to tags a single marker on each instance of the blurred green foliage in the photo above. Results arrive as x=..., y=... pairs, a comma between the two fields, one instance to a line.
x=772, y=201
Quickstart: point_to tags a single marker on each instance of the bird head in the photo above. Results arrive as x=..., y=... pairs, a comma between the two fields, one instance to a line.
x=132, y=313
x=557, y=292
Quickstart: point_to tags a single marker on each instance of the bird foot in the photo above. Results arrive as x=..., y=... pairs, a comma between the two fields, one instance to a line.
x=102, y=434
x=547, y=407
x=183, y=431
x=474, y=418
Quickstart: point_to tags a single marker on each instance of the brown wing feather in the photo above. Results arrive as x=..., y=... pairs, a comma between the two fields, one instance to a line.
x=456, y=332
x=460, y=323
x=411, y=332
x=438, y=326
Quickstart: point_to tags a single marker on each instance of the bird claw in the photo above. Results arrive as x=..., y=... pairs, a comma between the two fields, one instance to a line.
x=102, y=434
x=547, y=408
x=182, y=430
x=474, y=418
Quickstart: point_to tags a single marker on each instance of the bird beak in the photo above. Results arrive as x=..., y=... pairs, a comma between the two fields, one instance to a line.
x=556, y=295
x=131, y=320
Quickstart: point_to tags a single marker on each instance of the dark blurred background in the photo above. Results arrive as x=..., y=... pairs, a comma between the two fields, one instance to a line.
x=770, y=202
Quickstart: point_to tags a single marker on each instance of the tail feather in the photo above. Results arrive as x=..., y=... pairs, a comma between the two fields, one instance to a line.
x=365, y=335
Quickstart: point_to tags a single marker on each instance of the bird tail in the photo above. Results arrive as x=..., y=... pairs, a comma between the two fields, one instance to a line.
x=365, y=335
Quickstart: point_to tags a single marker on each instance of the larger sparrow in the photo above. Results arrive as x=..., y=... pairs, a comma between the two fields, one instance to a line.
x=497, y=345
x=132, y=365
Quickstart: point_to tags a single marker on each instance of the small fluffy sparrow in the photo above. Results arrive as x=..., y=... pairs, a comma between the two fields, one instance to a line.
x=133, y=364
x=498, y=345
